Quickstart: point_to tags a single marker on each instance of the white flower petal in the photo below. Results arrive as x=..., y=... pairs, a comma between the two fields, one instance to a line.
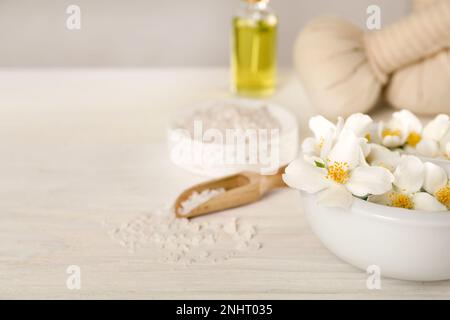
x=408, y=149
x=393, y=141
x=320, y=126
x=315, y=161
x=362, y=158
x=408, y=121
x=383, y=199
x=303, y=176
x=339, y=126
x=409, y=174
x=428, y=148
x=425, y=201
x=375, y=133
x=365, y=146
x=335, y=196
x=309, y=146
x=435, y=177
x=327, y=144
x=359, y=123
x=369, y=180
x=437, y=128
x=401, y=125
x=445, y=144
x=347, y=149
x=383, y=157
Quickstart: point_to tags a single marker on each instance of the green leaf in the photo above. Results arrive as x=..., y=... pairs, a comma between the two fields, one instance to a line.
x=319, y=164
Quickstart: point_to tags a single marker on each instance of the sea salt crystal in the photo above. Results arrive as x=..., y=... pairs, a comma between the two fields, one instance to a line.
x=230, y=227
x=185, y=242
x=196, y=199
x=255, y=245
x=243, y=131
x=209, y=239
x=223, y=116
x=248, y=233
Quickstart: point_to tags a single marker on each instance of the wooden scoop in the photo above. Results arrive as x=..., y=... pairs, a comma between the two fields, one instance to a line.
x=240, y=189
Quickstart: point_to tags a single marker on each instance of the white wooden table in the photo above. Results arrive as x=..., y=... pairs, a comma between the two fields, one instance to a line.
x=79, y=147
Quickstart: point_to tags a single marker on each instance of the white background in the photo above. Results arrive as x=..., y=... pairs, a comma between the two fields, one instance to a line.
x=149, y=33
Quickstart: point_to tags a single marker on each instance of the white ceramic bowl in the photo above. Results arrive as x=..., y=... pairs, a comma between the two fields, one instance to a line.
x=288, y=141
x=405, y=244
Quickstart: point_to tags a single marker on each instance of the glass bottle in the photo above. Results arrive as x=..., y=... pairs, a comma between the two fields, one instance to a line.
x=253, y=58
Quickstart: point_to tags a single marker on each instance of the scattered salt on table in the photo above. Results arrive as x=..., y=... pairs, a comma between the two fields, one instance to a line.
x=196, y=199
x=183, y=241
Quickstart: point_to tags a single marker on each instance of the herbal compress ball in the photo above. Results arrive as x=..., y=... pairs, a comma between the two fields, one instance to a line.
x=344, y=69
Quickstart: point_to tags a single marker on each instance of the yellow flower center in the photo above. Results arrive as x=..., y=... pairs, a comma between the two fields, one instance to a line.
x=400, y=200
x=338, y=172
x=443, y=195
x=388, y=132
x=368, y=137
x=413, y=139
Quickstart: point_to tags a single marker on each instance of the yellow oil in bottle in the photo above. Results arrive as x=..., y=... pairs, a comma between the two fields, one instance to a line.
x=253, y=62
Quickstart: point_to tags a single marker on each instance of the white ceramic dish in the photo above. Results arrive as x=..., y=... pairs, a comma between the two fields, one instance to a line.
x=405, y=244
x=215, y=166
